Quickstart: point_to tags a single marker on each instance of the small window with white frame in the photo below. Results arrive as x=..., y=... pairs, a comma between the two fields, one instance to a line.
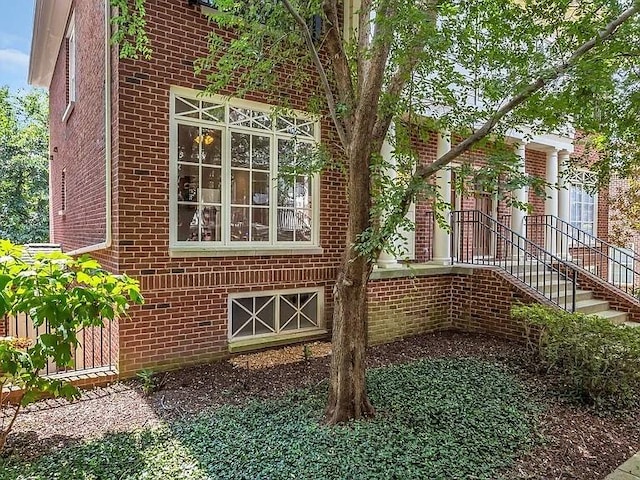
x=70, y=39
x=229, y=189
x=622, y=264
x=583, y=201
x=268, y=314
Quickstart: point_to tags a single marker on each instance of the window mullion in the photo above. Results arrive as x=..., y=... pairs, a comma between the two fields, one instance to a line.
x=276, y=323
x=273, y=185
x=226, y=177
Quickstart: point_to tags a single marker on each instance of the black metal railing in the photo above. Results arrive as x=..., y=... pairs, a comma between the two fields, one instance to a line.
x=96, y=348
x=610, y=263
x=479, y=239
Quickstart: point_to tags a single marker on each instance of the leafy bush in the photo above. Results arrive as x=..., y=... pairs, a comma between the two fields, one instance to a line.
x=68, y=294
x=437, y=419
x=600, y=361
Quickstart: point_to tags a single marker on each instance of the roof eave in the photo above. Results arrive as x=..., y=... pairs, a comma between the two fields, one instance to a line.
x=49, y=23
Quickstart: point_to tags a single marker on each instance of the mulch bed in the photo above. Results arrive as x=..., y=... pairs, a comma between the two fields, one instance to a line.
x=575, y=442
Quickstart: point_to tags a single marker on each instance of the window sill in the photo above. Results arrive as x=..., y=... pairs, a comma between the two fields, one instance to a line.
x=207, y=10
x=68, y=111
x=180, y=252
x=250, y=344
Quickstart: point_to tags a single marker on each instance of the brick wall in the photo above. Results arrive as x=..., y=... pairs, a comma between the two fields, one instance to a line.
x=404, y=307
x=469, y=299
x=78, y=144
x=185, y=318
x=483, y=302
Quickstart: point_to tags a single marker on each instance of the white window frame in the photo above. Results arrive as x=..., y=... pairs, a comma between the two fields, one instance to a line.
x=277, y=294
x=225, y=247
x=70, y=38
x=579, y=180
x=630, y=251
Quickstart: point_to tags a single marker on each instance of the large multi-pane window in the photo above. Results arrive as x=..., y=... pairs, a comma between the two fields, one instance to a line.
x=583, y=202
x=232, y=178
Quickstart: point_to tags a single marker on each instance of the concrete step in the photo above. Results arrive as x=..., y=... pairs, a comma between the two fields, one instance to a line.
x=556, y=286
x=631, y=324
x=615, y=316
x=580, y=295
x=592, y=306
x=520, y=268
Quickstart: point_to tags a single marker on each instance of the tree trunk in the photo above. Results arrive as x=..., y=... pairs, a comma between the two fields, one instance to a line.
x=347, y=388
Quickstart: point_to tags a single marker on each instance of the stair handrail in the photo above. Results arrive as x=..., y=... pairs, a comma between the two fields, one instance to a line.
x=547, y=265
x=579, y=238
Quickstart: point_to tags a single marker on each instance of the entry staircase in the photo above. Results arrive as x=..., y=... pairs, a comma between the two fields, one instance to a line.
x=479, y=239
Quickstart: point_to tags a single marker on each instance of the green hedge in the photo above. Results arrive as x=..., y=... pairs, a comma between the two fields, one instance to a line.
x=599, y=361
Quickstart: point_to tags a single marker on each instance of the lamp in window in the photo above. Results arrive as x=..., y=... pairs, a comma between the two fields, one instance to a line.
x=206, y=139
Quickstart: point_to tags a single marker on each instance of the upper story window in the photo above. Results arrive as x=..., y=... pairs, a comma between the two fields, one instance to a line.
x=583, y=201
x=70, y=39
x=228, y=188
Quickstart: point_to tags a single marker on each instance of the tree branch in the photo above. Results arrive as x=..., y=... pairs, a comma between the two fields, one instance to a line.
x=341, y=70
x=321, y=72
x=425, y=171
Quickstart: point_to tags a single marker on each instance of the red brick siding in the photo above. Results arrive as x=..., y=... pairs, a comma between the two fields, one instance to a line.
x=405, y=307
x=482, y=303
x=426, y=150
x=78, y=144
x=164, y=331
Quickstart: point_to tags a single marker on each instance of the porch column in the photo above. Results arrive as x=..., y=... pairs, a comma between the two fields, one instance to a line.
x=385, y=259
x=562, y=247
x=517, y=215
x=442, y=237
x=551, y=203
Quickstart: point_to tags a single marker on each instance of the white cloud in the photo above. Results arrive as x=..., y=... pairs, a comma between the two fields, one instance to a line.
x=12, y=60
x=8, y=40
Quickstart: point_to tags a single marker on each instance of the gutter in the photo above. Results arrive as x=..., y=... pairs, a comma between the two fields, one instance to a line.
x=107, y=138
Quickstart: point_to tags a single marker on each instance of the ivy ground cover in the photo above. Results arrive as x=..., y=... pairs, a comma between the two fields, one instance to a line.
x=437, y=418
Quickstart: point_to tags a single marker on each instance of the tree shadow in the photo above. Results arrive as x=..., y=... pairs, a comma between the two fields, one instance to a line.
x=28, y=445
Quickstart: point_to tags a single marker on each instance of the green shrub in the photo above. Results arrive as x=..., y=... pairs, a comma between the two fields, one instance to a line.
x=68, y=294
x=599, y=361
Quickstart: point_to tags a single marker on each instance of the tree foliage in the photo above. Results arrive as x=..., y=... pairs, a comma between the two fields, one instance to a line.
x=67, y=294
x=24, y=179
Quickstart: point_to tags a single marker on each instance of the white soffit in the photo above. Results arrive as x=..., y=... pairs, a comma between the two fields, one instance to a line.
x=49, y=24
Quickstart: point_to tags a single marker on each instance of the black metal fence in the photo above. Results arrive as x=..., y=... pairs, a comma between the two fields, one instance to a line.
x=479, y=239
x=612, y=264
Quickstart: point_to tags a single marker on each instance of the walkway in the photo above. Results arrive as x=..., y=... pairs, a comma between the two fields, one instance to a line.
x=629, y=470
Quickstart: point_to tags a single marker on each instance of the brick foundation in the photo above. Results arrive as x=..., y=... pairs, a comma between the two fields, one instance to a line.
x=470, y=299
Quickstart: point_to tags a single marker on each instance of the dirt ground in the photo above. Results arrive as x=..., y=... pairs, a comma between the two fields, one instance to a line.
x=576, y=443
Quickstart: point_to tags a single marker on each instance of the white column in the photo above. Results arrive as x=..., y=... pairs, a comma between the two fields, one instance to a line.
x=551, y=203
x=563, y=199
x=386, y=260
x=517, y=215
x=442, y=237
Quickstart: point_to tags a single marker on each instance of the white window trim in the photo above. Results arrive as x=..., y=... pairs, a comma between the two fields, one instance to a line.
x=277, y=294
x=217, y=249
x=595, y=204
x=71, y=40
x=631, y=266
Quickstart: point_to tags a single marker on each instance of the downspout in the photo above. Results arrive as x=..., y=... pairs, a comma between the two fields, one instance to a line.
x=107, y=136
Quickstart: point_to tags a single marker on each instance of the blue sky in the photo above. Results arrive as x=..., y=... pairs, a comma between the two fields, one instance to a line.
x=16, y=23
